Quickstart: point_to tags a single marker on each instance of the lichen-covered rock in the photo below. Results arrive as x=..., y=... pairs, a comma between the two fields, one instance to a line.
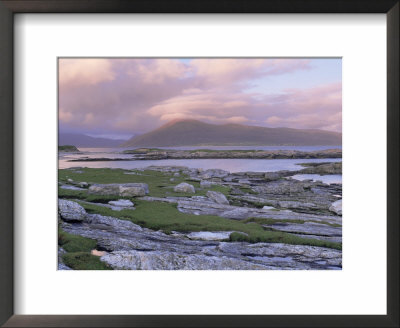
x=61, y=264
x=238, y=213
x=125, y=189
x=160, y=260
x=206, y=184
x=71, y=211
x=213, y=173
x=129, y=246
x=184, y=187
x=217, y=197
x=69, y=187
x=336, y=207
x=296, y=205
x=281, y=187
x=273, y=176
x=121, y=203
x=133, y=189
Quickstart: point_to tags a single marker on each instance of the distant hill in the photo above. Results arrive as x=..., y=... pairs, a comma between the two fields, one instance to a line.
x=196, y=133
x=82, y=140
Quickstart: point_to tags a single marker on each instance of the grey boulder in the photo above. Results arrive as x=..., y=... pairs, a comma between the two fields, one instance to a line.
x=71, y=211
x=184, y=187
x=336, y=207
x=217, y=197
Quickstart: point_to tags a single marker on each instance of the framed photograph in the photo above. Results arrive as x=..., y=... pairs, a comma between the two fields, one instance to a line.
x=187, y=164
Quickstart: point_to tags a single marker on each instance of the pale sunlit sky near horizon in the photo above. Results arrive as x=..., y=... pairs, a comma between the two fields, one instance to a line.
x=121, y=97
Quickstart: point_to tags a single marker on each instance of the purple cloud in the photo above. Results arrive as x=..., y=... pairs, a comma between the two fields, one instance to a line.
x=137, y=95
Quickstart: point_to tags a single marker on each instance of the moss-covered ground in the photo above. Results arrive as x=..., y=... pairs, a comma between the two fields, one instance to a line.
x=78, y=252
x=165, y=216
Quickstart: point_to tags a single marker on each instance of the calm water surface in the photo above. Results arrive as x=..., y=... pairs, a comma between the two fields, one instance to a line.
x=231, y=165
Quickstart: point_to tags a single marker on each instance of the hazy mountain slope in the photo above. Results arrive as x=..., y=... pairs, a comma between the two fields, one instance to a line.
x=192, y=133
x=82, y=140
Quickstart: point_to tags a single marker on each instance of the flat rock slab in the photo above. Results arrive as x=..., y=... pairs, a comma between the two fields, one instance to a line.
x=159, y=260
x=203, y=206
x=311, y=228
x=69, y=187
x=209, y=235
x=325, y=238
x=125, y=189
x=113, y=207
x=121, y=203
x=129, y=246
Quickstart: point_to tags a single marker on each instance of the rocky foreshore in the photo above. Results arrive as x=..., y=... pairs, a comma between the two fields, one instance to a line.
x=304, y=215
x=128, y=246
x=160, y=154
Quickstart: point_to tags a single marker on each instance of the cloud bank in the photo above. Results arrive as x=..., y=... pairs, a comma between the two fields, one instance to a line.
x=129, y=96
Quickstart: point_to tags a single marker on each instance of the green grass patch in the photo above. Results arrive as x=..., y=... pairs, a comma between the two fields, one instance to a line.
x=75, y=243
x=84, y=261
x=78, y=248
x=166, y=217
x=247, y=190
x=68, y=148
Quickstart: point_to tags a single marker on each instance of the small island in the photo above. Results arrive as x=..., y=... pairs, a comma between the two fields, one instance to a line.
x=68, y=149
x=157, y=154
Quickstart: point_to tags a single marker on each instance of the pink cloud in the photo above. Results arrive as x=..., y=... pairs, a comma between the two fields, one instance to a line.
x=319, y=107
x=78, y=72
x=210, y=106
x=217, y=71
x=136, y=95
x=157, y=70
x=237, y=119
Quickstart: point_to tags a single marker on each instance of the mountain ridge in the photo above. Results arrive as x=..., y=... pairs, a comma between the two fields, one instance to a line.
x=196, y=133
x=83, y=140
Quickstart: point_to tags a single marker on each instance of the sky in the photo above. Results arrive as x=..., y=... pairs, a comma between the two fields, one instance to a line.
x=120, y=97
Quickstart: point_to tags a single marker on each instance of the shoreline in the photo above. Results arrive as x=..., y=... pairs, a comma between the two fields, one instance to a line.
x=162, y=154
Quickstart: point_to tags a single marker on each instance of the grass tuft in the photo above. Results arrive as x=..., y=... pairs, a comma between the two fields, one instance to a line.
x=75, y=243
x=84, y=261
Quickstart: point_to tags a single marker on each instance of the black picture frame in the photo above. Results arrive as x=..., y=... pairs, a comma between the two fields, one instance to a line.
x=10, y=7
